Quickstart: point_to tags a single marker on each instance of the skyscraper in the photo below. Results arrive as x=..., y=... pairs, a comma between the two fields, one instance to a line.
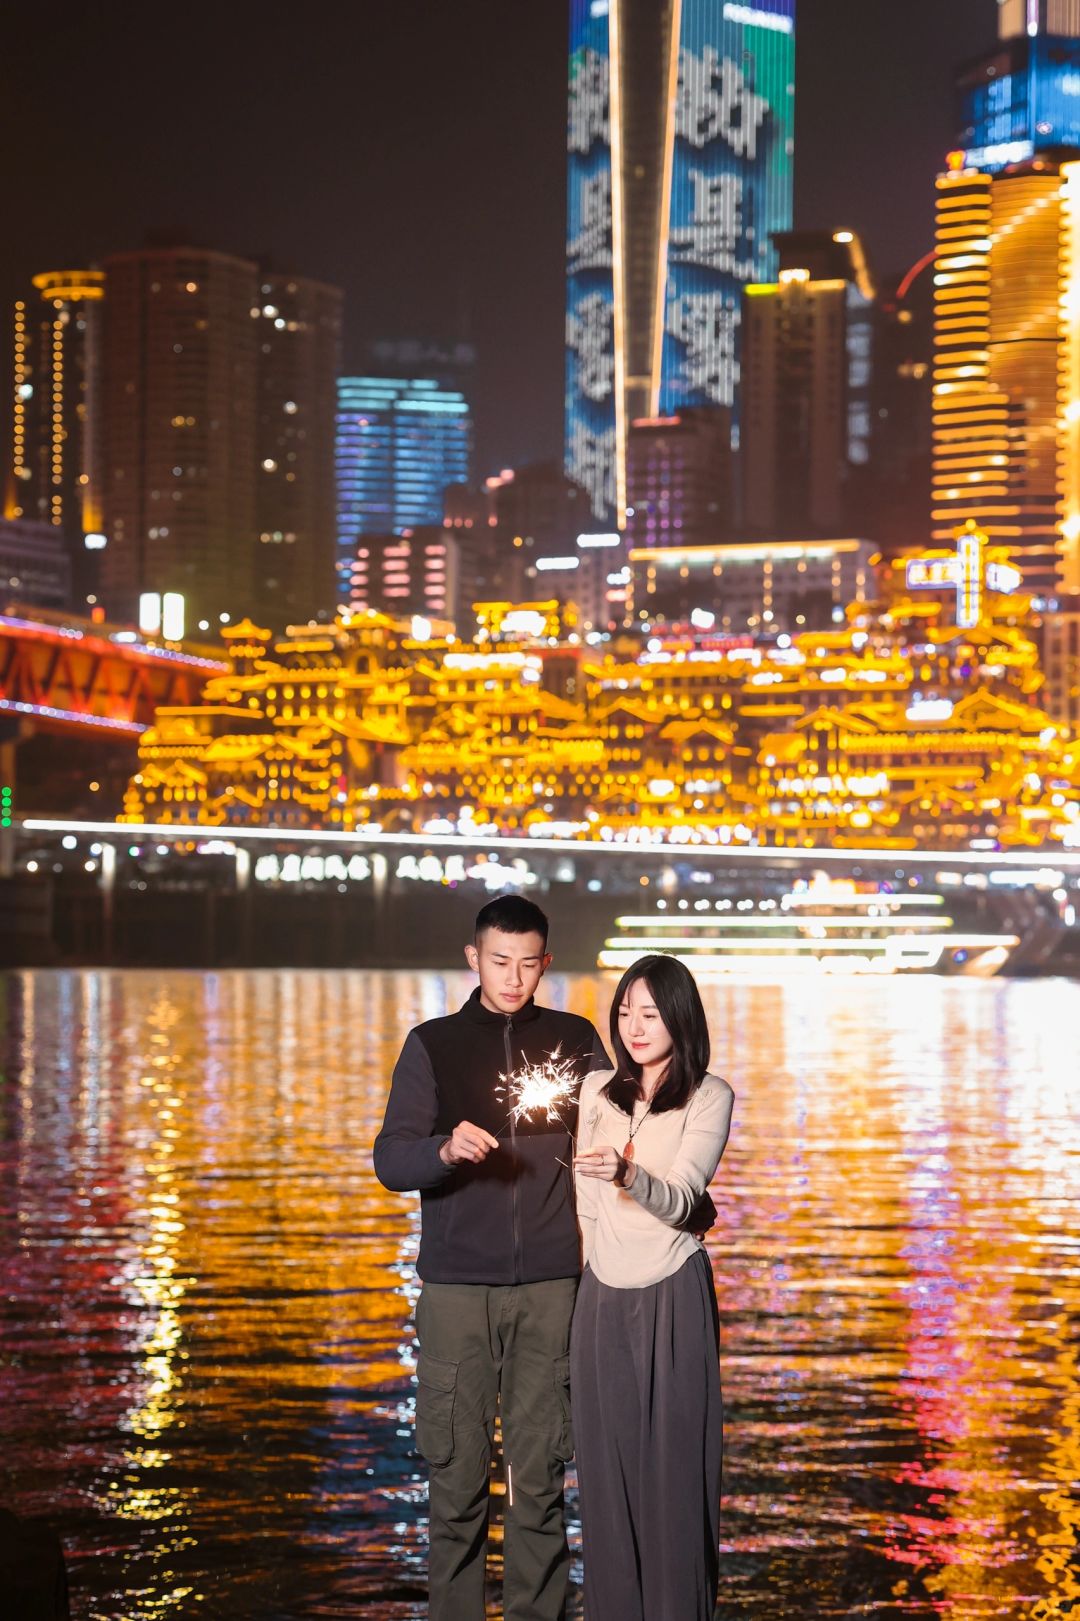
x=680, y=149
x=180, y=405
x=56, y=447
x=807, y=372
x=402, y=575
x=891, y=501
x=1023, y=96
x=679, y=479
x=1006, y=422
x=299, y=352
x=400, y=442
x=219, y=394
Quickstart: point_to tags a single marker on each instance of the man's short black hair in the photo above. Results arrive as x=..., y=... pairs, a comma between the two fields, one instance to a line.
x=512, y=914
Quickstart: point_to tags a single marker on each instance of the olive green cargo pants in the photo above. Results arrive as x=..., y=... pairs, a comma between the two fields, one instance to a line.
x=483, y=1348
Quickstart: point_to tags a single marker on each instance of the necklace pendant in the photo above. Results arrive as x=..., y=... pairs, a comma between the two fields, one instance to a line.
x=628, y=1151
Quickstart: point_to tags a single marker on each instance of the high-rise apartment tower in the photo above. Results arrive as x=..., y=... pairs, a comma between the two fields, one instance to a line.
x=180, y=393
x=807, y=373
x=219, y=391
x=55, y=473
x=298, y=327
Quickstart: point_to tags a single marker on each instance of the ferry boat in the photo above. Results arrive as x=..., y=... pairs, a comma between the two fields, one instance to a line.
x=822, y=925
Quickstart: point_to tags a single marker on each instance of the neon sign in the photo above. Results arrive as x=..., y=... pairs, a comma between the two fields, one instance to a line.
x=967, y=573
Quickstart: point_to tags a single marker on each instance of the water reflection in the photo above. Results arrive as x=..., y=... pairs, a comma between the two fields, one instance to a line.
x=205, y=1329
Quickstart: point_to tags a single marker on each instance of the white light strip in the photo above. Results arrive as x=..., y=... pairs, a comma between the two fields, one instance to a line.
x=661, y=267
x=869, y=900
x=767, y=970
x=373, y=838
x=779, y=948
x=129, y=728
x=854, y=920
x=751, y=17
x=785, y=948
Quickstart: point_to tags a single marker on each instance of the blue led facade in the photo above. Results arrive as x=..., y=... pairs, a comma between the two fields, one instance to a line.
x=655, y=271
x=731, y=189
x=399, y=443
x=1022, y=99
x=590, y=305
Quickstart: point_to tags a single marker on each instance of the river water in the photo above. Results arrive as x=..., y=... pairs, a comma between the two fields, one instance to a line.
x=206, y=1314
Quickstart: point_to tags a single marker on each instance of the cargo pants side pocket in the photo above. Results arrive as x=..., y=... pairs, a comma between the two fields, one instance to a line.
x=435, y=1395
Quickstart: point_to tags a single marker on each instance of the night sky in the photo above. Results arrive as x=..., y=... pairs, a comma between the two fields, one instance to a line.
x=411, y=151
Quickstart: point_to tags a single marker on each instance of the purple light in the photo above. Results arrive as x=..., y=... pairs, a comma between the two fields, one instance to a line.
x=47, y=712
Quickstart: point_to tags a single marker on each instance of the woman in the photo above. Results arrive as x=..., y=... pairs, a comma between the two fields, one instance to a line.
x=644, y=1345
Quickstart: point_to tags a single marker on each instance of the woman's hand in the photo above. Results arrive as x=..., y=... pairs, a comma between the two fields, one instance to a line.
x=606, y=1165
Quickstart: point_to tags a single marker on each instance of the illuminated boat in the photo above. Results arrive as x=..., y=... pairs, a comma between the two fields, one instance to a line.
x=821, y=926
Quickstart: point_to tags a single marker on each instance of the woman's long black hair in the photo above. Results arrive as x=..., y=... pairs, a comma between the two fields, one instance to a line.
x=678, y=1003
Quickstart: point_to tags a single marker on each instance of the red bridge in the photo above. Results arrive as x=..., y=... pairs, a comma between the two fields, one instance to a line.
x=71, y=675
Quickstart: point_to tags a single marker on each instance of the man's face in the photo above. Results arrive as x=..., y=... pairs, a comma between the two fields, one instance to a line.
x=510, y=966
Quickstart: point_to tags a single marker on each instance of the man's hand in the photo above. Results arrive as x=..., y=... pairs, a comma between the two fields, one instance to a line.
x=702, y=1218
x=467, y=1144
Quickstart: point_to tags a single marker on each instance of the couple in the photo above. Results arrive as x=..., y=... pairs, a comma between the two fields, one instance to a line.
x=502, y=1240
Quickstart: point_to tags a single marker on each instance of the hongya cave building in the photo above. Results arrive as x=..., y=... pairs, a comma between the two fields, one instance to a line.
x=898, y=727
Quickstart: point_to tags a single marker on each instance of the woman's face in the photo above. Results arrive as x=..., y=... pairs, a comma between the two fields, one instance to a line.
x=643, y=1031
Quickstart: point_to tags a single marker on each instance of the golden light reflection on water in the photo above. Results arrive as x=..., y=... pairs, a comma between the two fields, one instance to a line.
x=206, y=1340
x=142, y=1495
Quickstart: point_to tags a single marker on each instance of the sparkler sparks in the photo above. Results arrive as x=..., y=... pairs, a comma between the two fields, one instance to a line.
x=541, y=1088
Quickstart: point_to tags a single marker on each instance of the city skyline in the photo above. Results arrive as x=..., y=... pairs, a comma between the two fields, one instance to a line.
x=469, y=207
x=596, y=474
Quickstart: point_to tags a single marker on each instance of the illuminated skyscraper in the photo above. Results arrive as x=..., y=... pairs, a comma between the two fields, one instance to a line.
x=400, y=442
x=402, y=575
x=1007, y=363
x=299, y=351
x=1022, y=97
x=56, y=449
x=807, y=372
x=680, y=150
x=679, y=479
x=179, y=367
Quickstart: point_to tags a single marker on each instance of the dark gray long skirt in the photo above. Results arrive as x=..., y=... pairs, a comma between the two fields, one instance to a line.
x=648, y=1428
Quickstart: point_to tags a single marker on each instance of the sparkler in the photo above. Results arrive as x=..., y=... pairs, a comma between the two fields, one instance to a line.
x=541, y=1089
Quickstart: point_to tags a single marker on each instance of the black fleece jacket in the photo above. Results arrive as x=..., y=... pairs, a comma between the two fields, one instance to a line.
x=512, y=1218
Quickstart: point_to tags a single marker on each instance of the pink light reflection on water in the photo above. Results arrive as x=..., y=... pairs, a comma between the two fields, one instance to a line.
x=205, y=1333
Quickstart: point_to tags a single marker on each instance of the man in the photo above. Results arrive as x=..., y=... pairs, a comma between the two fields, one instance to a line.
x=499, y=1259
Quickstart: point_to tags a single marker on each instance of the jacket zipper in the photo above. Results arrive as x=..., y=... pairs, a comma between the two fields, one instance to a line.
x=516, y=1219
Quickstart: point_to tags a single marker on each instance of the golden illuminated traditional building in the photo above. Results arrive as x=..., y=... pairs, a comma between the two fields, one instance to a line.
x=905, y=725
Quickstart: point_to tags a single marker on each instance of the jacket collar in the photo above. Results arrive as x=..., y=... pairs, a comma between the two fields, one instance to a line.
x=474, y=1009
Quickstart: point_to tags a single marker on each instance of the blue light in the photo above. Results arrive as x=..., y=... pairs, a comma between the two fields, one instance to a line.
x=725, y=158
x=1022, y=101
x=731, y=187
x=590, y=305
x=400, y=442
